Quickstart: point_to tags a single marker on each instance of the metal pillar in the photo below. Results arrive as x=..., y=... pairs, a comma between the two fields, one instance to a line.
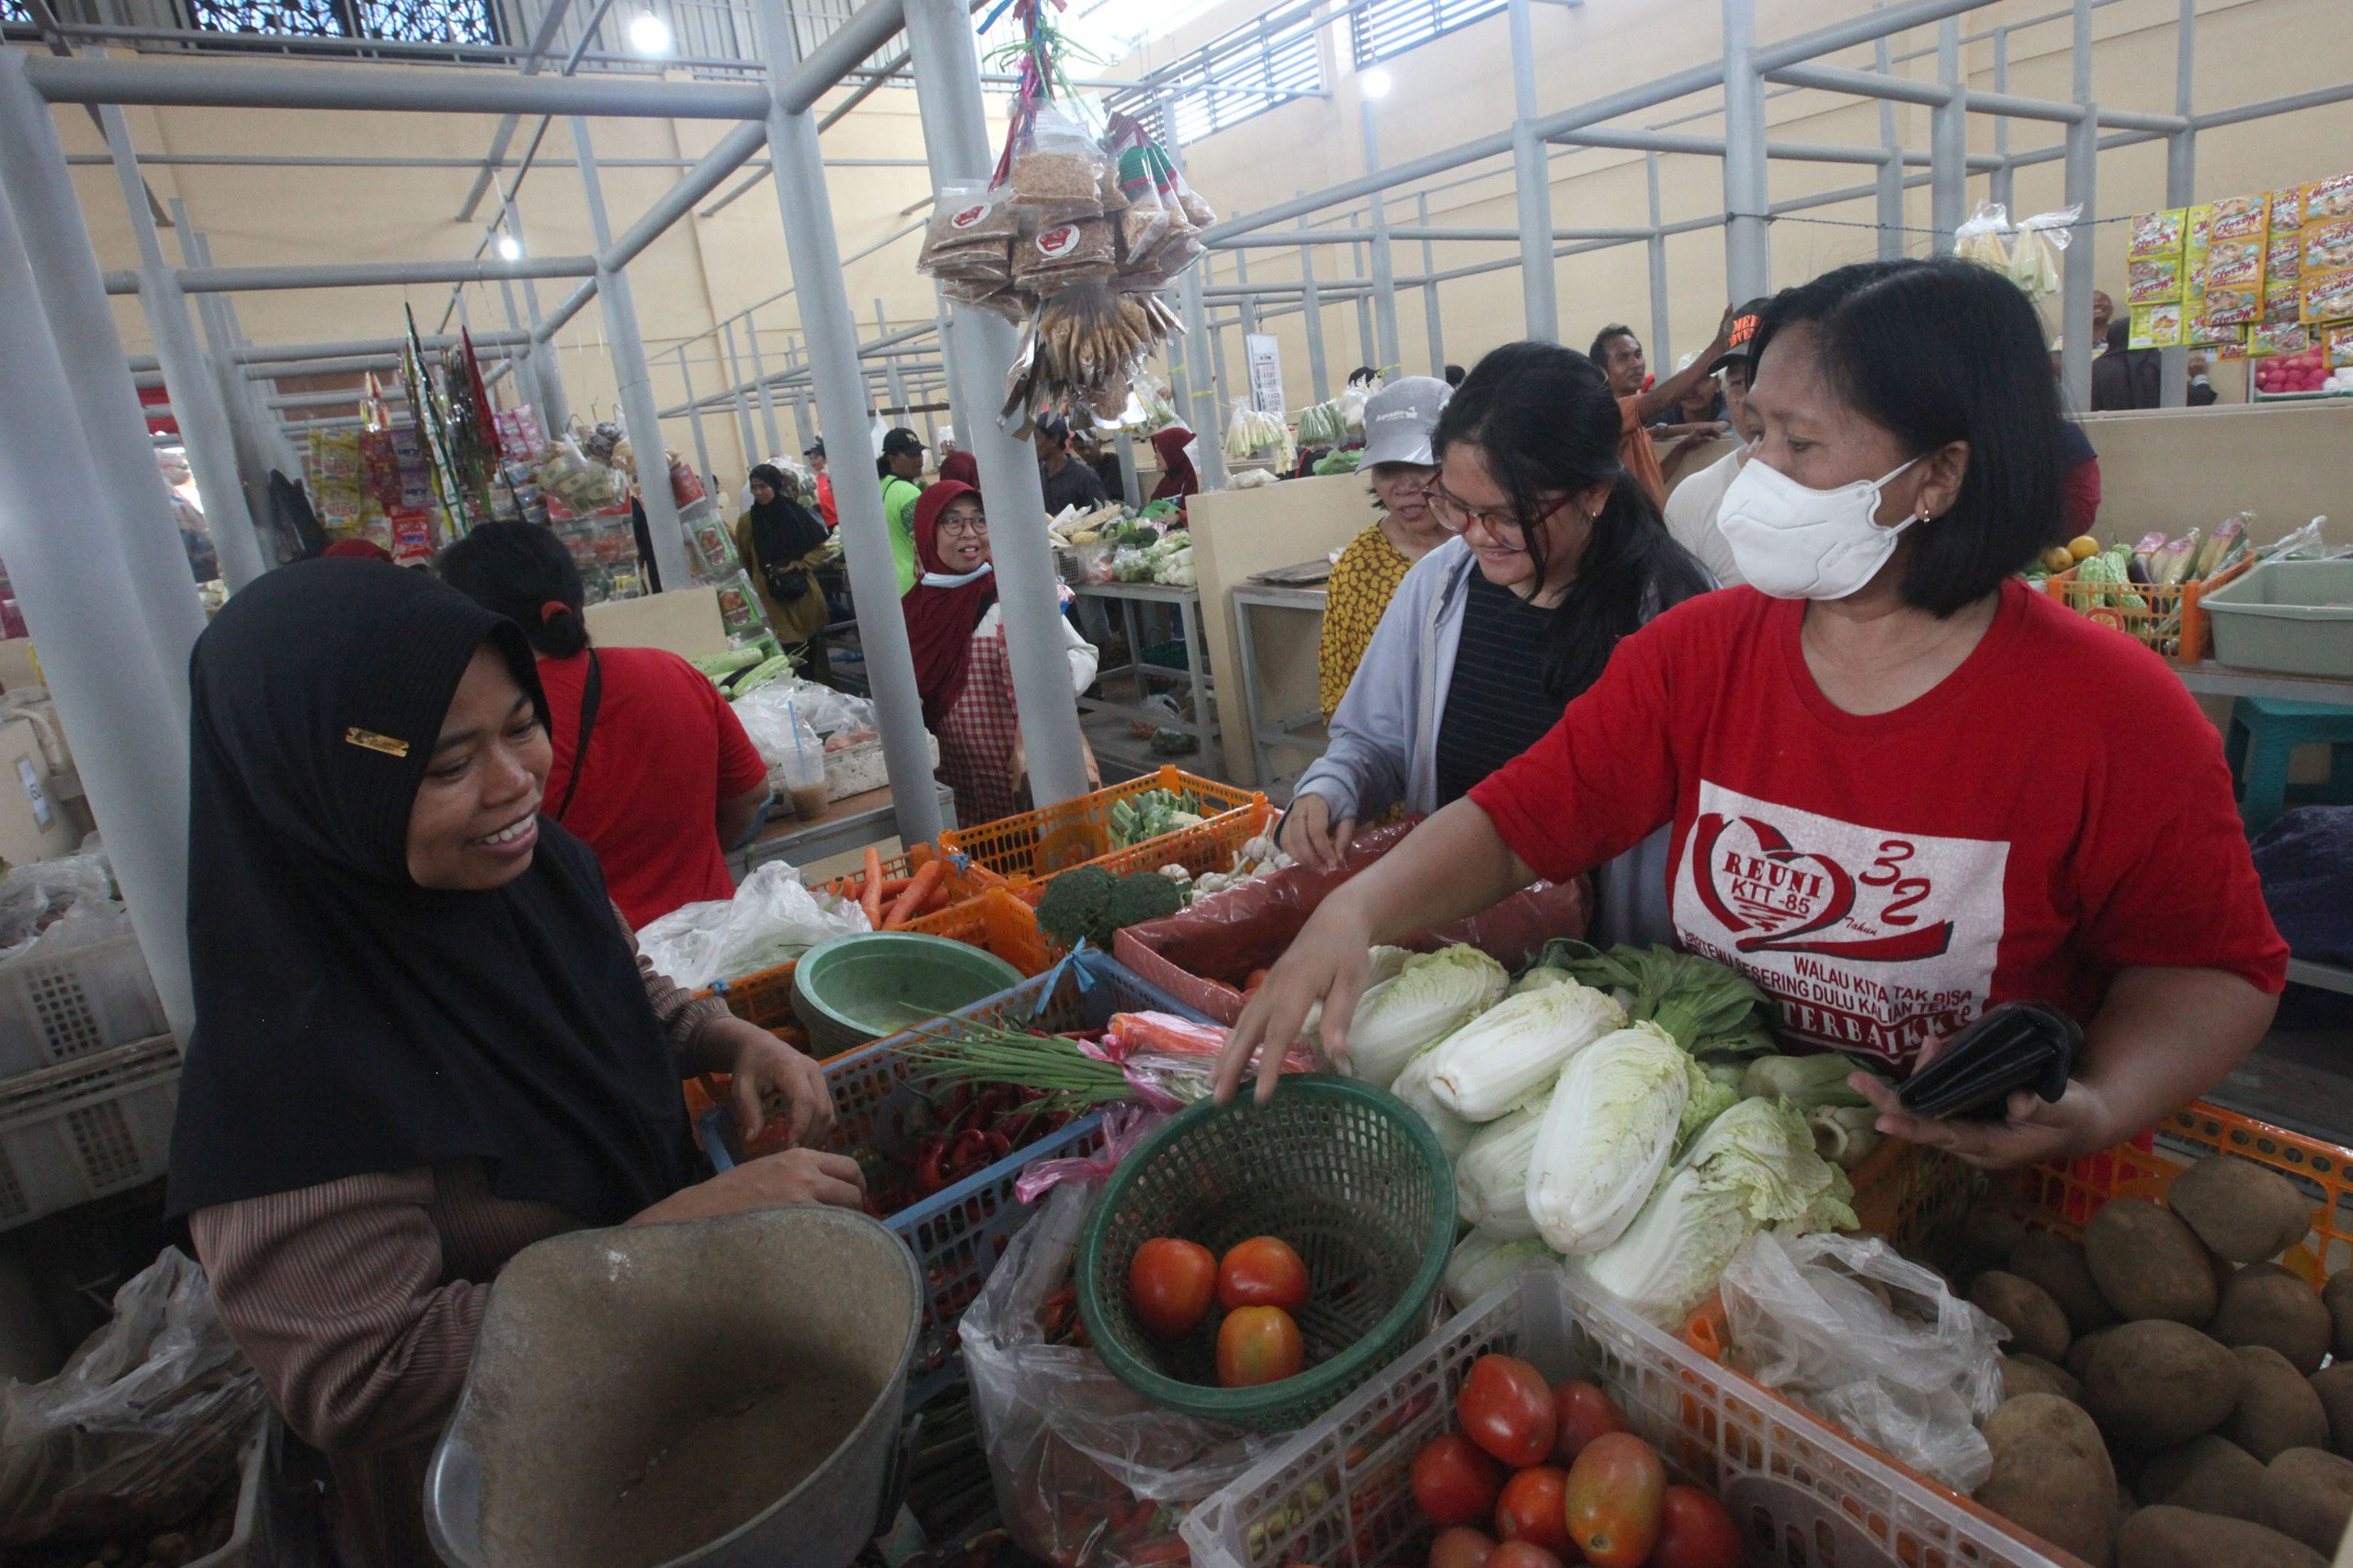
x=250, y=425
x=2181, y=186
x=66, y=558
x=1202, y=393
x=35, y=178
x=1891, y=170
x=2000, y=183
x=546, y=360
x=801, y=420
x=1319, y=375
x=743, y=403
x=694, y=417
x=1130, y=487
x=1249, y=303
x=1748, y=253
x=1532, y=172
x=2076, y=267
x=806, y=207
x=638, y=407
x=760, y=384
x=1661, y=345
x=1432, y=325
x=1391, y=359
x=893, y=381
x=1948, y=142
x=196, y=394
x=1367, y=345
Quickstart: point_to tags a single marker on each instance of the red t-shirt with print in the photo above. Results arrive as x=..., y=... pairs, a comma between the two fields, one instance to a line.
x=2056, y=809
x=665, y=750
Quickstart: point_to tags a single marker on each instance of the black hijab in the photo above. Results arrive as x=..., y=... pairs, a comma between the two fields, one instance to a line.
x=782, y=530
x=350, y=1021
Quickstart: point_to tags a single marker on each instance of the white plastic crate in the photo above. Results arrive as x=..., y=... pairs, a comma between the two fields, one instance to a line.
x=1338, y=1494
x=86, y=1129
x=58, y=1006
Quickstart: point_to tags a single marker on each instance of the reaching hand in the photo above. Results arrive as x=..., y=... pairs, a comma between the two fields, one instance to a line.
x=1326, y=964
x=766, y=1068
x=1309, y=836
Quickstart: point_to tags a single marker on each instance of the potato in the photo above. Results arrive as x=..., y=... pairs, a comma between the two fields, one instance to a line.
x=2337, y=1296
x=2266, y=1304
x=2307, y=1494
x=2334, y=1384
x=2023, y=1373
x=2241, y=1210
x=2168, y=1537
x=2037, y=1324
x=1988, y=1234
x=2276, y=1409
x=2212, y=1474
x=2057, y=1265
x=2148, y=1264
x=2079, y=1354
x=2155, y=1383
x=2051, y=1475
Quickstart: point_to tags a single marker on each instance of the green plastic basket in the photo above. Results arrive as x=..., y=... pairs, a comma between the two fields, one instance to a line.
x=1351, y=1178
x=874, y=985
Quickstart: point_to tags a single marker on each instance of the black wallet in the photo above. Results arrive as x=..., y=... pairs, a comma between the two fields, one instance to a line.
x=2017, y=1045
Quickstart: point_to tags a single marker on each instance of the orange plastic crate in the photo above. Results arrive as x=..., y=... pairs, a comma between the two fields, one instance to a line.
x=2169, y=620
x=1078, y=832
x=997, y=921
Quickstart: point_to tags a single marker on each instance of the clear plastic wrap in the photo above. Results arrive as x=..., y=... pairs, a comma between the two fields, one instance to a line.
x=1058, y=171
x=63, y=902
x=145, y=1423
x=1857, y=1334
x=771, y=920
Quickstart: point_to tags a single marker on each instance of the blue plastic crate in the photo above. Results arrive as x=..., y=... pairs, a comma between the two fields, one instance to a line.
x=958, y=1234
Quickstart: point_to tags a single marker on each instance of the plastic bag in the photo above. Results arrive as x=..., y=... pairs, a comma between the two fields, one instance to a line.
x=1809, y=1316
x=771, y=920
x=64, y=903
x=1984, y=238
x=145, y=1423
x=1088, y=1472
x=2035, y=247
x=1057, y=171
x=1201, y=955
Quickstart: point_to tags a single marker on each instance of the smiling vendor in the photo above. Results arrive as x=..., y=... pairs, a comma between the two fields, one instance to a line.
x=1874, y=817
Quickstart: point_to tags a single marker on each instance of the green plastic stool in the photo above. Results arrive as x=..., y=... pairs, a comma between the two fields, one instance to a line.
x=2265, y=733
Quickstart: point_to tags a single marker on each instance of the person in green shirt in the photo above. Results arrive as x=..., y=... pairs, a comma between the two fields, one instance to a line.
x=900, y=466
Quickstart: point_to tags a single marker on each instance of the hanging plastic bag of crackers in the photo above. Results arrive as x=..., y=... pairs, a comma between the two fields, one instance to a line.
x=1057, y=171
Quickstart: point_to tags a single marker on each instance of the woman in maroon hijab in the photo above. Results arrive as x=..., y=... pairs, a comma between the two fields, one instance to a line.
x=956, y=632
x=1177, y=479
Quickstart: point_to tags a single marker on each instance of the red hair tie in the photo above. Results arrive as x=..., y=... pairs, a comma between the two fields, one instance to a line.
x=552, y=609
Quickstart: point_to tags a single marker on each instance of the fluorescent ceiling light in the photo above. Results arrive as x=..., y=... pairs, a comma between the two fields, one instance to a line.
x=1377, y=82
x=509, y=248
x=649, y=34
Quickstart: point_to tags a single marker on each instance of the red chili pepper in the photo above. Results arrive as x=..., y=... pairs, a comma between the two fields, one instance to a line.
x=929, y=1176
x=999, y=1145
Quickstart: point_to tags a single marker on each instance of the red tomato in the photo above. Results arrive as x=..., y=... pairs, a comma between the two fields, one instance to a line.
x=1694, y=1531
x=1507, y=1408
x=1459, y=1546
x=1585, y=1413
x=1258, y=1344
x=1262, y=1272
x=1614, y=1496
x=1522, y=1554
x=1455, y=1481
x=1534, y=1508
x=1169, y=1286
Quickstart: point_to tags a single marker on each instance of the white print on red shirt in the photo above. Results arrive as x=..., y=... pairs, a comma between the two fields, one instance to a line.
x=1871, y=941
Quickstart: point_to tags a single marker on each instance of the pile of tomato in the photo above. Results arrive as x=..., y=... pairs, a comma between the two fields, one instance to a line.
x=1556, y=1476
x=1258, y=1284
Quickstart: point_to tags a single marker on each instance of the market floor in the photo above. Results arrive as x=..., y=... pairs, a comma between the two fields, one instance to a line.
x=2301, y=1080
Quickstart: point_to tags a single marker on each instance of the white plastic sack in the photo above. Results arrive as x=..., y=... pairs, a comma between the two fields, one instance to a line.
x=1057, y=1426
x=771, y=920
x=64, y=902
x=1914, y=1382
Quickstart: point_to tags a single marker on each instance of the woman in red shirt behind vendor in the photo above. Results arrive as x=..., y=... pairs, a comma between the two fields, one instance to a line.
x=1880, y=815
x=670, y=782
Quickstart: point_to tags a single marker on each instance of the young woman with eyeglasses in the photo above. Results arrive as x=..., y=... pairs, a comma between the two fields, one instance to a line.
x=1874, y=818
x=1558, y=553
x=956, y=632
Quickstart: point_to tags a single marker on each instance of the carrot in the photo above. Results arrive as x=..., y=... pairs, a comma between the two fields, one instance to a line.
x=1167, y=1033
x=935, y=901
x=919, y=887
x=873, y=897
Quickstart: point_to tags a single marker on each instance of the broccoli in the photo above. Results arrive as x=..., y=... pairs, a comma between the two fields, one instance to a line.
x=1145, y=895
x=1078, y=904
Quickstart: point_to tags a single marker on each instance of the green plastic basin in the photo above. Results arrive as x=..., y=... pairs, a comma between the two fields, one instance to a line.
x=869, y=986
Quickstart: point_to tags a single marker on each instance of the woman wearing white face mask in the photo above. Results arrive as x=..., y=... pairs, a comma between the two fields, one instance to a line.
x=1876, y=816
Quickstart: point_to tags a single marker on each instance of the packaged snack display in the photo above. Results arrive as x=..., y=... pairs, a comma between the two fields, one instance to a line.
x=2283, y=257
x=685, y=484
x=2236, y=264
x=739, y=607
x=2336, y=343
x=2325, y=298
x=2206, y=333
x=2327, y=198
x=714, y=551
x=520, y=438
x=2268, y=339
x=1057, y=172
x=2280, y=303
x=2158, y=234
x=2156, y=326
x=2231, y=306
x=2154, y=280
x=2288, y=209
x=2233, y=348
x=2240, y=216
x=2328, y=247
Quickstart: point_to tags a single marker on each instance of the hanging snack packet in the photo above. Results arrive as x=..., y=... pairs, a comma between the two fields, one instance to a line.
x=2328, y=247
x=2327, y=198
x=2158, y=234
x=972, y=226
x=2151, y=280
x=2327, y=298
x=2232, y=306
x=2286, y=210
x=2240, y=216
x=739, y=606
x=2236, y=264
x=2283, y=257
x=1057, y=172
x=1064, y=254
x=1144, y=221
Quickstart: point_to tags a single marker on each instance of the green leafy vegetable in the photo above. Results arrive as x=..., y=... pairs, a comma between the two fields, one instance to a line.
x=1709, y=1009
x=1432, y=996
x=1609, y=1131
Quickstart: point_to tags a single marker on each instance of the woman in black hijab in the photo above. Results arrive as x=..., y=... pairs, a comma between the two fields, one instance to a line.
x=424, y=1039
x=780, y=543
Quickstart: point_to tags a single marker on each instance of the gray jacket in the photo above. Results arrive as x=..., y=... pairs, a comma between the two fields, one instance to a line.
x=1383, y=747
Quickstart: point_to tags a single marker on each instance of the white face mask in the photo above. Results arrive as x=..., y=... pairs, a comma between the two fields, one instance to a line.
x=1796, y=543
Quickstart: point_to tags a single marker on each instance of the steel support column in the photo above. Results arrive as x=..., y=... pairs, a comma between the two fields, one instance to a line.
x=1532, y=169
x=742, y=402
x=1661, y=346
x=1948, y=142
x=128, y=724
x=2181, y=187
x=760, y=385
x=1891, y=171
x=1319, y=374
x=1433, y=323
x=806, y=208
x=197, y=402
x=1391, y=358
x=694, y=419
x=2001, y=185
x=638, y=407
x=2076, y=267
x=1748, y=249
x=1199, y=391
x=546, y=360
x=250, y=425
